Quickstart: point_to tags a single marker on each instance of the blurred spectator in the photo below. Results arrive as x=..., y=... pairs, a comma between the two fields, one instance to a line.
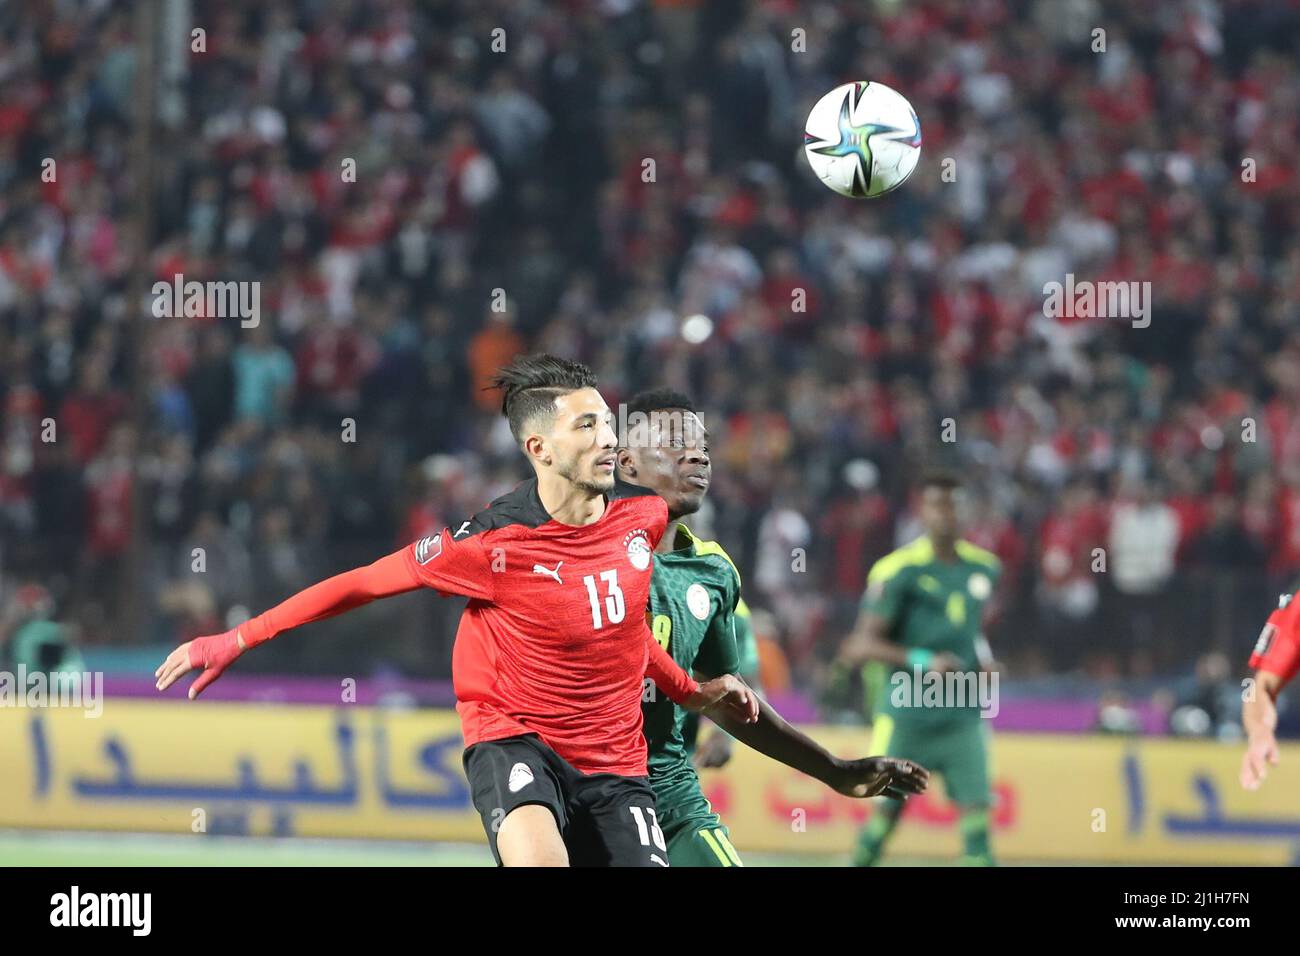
x=1142, y=544
x=382, y=171
x=1208, y=704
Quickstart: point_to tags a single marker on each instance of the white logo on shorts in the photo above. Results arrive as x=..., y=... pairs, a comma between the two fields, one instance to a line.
x=520, y=777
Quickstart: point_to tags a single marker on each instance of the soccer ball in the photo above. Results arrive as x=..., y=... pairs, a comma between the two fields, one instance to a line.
x=862, y=139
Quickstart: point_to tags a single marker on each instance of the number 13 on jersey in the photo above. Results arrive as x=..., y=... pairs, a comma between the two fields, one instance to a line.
x=614, y=608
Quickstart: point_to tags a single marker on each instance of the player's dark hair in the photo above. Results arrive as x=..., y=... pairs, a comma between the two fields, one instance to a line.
x=657, y=399
x=652, y=404
x=938, y=478
x=530, y=384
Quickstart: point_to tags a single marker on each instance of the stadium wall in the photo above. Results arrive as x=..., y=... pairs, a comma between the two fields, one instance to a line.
x=352, y=771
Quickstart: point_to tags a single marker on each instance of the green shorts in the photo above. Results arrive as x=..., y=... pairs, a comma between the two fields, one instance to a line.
x=695, y=834
x=957, y=750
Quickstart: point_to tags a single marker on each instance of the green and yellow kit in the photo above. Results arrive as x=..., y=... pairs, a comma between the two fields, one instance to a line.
x=694, y=595
x=931, y=606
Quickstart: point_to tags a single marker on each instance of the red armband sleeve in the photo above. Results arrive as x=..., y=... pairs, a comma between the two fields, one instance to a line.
x=1277, y=649
x=387, y=576
x=668, y=677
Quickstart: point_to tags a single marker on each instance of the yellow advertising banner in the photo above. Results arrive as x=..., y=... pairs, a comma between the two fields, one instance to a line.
x=223, y=768
x=1091, y=799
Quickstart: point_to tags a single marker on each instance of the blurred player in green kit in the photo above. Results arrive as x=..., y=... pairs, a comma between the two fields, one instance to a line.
x=694, y=596
x=922, y=616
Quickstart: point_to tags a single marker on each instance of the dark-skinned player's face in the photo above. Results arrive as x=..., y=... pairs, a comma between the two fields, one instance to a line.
x=938, y=513
x=581, y=442
x=670, y=456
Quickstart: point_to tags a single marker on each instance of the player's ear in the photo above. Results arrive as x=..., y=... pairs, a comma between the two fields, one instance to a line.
x=538, y=449
x=626, y=463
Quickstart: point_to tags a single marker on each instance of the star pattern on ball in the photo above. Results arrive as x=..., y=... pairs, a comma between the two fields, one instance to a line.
x=854, y=141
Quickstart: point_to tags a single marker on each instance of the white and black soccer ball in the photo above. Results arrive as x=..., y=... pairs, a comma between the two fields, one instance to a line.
x=862, y=139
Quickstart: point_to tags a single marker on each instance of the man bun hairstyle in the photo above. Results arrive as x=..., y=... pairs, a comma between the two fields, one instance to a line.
x=530, y=384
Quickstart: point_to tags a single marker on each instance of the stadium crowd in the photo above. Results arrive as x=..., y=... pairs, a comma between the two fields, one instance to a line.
x=1141, y=484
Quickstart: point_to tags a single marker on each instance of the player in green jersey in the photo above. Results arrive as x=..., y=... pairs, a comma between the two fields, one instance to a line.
x=715, y=749
x=694, y=592
x=921, y=630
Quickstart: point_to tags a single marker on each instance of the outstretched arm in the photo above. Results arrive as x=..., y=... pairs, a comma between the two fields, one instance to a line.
x=389, y=575
x=772, y=736
x=1275, y=659
x=1259, y=719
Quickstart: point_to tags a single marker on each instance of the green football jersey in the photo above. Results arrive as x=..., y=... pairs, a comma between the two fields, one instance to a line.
x=930, y=605
x=693, y=596
x=746, y=645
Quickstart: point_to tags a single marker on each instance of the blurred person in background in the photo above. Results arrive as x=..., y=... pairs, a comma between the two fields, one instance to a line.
x=1208, y=704
x=1142, y=543
x=923, y=613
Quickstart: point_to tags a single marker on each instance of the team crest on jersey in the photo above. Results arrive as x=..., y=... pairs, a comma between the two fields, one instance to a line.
x=697, y=601
x=980, y=586
x=638, y=548
x=426, y=549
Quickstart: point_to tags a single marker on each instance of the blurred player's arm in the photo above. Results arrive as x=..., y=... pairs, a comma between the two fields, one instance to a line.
x=437, y=562
x=1259, y=718
x=1276, y=658
x=869, y=641
x=772, y=736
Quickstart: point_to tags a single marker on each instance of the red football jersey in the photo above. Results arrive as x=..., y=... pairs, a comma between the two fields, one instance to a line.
x=553, y=640
x=1278, y=648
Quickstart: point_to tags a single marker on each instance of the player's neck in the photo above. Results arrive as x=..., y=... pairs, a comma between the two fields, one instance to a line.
x=568, y=503
x=945, y=551
x=669, y=541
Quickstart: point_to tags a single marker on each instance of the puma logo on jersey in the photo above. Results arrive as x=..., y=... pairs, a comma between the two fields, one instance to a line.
x=538, y=569
x=520, y=777
x=1283, y=600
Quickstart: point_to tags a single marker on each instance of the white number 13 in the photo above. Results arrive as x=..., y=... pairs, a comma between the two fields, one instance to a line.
x=613, y=601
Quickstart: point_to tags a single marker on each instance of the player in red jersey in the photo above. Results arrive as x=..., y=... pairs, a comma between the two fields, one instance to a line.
x=1275, y=659
x=552, y=648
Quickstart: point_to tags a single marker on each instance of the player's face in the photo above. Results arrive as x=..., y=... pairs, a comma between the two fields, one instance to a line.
x=673, y=460
x=939, y=513
x=582, y=440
